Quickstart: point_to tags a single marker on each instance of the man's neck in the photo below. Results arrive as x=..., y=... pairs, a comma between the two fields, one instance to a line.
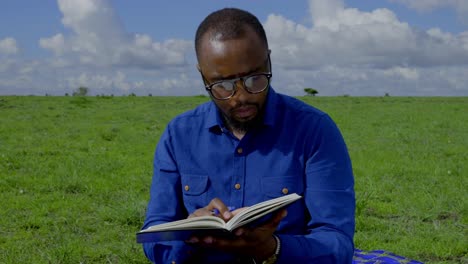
x=237, y=131
x=239, y=134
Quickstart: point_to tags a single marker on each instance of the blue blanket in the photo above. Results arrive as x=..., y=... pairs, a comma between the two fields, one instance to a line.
x=380, y=257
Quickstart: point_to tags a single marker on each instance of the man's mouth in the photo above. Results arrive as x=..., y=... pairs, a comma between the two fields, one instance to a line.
x=245, y=111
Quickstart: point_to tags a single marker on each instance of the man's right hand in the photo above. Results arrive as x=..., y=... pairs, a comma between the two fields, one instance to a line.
x=217, y=204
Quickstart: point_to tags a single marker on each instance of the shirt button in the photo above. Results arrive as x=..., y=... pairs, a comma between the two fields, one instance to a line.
x=239, y=150
x=237, y=186
x=186, y=187
x=285, y=190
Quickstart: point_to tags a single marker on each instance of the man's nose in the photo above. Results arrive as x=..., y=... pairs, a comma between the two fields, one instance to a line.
x=241, y=91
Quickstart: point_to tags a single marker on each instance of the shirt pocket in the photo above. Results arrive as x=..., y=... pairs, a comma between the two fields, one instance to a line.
x=194, y=190
x=273, y=187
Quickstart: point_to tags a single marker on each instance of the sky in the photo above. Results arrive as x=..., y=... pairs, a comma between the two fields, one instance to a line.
x=338, y=47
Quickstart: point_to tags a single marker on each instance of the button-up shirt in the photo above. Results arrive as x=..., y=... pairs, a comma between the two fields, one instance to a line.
x=296, y=149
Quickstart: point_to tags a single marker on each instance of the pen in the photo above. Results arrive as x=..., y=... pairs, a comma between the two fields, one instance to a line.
x=230, y=208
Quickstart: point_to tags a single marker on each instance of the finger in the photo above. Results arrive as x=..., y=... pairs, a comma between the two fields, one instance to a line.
x=276, y=219
x=238, y=210
x=204, y=241
x=200, y=212
x=208, y=210
x=222, y=244
x=223, y=210
x=192, y=240
x=269, y=227
x=241, y=232
x=238, y=246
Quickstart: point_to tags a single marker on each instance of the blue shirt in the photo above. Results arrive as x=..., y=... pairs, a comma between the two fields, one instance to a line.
x=297, y=149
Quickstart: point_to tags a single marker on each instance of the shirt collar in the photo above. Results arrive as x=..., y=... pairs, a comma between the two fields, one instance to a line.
x=215, y=121
x=271, y=106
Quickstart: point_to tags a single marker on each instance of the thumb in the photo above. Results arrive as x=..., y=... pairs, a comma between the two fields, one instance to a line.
x=276, y=219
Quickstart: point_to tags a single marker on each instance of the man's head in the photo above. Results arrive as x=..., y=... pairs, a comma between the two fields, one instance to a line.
x=231, y=43
x=228, y=23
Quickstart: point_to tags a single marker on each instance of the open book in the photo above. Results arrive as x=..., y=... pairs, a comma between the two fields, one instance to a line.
x=213, y=225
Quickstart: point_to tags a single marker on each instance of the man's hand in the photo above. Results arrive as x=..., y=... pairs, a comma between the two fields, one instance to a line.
x=217, y=204
x=257, y=242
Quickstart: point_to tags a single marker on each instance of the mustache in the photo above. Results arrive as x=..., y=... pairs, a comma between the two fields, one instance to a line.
x=242, y=105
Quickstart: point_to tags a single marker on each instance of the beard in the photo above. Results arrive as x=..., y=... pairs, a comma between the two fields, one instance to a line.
x=244, y=125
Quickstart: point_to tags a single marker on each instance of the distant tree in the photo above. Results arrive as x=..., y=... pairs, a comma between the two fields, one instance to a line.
x=310, y=91
x=66, y=94
x=387, y=94
x=81, y=91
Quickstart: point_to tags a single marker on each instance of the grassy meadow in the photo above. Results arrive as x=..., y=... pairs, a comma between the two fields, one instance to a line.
x=75, y=174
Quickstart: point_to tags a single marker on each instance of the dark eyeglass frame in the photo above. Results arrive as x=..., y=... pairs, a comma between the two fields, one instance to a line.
x=233, y=81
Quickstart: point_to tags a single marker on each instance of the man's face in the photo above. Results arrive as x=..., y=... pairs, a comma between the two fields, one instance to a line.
x=228, y=59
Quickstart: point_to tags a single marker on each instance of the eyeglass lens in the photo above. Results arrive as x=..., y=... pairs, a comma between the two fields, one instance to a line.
x=253, y=84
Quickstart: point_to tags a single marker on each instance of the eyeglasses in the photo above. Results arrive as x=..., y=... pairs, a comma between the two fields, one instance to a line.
x=253, y=83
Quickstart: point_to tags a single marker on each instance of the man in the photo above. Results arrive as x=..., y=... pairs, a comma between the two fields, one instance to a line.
x=247, y=145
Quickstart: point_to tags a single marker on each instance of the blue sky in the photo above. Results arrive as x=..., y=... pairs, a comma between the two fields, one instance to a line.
x=354, y=47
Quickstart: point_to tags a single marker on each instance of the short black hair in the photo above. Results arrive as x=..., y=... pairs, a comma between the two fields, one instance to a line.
x=230, y=23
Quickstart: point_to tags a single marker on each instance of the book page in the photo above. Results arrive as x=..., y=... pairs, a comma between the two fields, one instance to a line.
x=256, y=211
x=201, y=222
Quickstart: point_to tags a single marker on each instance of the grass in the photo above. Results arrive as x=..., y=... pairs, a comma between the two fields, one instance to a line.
x=75, y=173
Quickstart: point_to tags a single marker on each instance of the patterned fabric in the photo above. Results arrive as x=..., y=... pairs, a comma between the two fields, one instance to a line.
x=380, y=257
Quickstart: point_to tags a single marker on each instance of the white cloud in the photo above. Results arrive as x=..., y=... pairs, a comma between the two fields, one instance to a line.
x=56, y=44
x=99, y=39
x=341, y=51
x=429, y=5
x=349, y=37
x=399, y=72
x=7, y=65
x=116, y=81
x=346, y=48
x=8, y=46
x=459, y=6
x=132, y=81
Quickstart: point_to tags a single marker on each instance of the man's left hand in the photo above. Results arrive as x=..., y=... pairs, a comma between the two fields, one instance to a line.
x=257, y=242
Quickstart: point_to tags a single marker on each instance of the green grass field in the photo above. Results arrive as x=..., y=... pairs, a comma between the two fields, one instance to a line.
x=75, y=174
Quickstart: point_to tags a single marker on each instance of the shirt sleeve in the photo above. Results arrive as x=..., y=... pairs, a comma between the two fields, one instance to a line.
x=330, y=200
x=165, y=204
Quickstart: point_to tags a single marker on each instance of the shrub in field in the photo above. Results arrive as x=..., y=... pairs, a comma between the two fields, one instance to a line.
x=81, y=91
x=310, y=91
